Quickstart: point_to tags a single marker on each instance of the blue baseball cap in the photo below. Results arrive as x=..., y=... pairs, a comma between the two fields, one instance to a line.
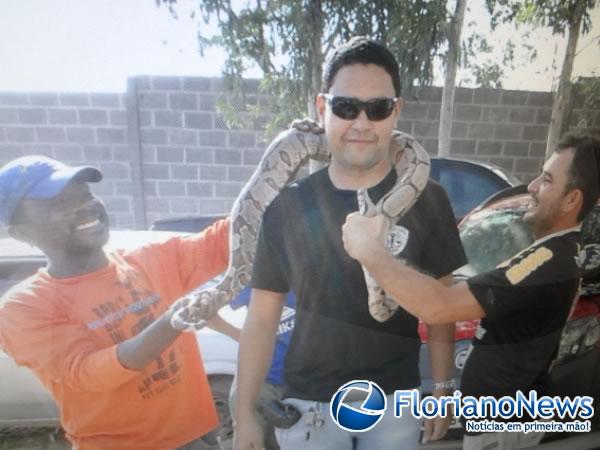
x=37, y=177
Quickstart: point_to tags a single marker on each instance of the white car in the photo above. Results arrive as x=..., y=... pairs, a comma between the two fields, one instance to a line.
x=24, y=402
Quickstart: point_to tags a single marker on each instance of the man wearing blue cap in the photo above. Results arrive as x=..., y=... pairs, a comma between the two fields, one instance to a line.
x=95, y=326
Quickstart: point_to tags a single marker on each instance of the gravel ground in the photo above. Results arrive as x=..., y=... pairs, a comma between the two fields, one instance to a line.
x=41, y=439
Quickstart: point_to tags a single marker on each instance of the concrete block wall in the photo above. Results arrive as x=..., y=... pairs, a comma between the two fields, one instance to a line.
x=166, y=151
x=74, y=128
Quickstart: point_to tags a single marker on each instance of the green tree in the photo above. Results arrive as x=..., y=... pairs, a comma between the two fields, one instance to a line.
x=288, y=40
x=562, y=16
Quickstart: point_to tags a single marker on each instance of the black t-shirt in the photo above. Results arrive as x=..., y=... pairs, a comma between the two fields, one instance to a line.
x=527, y=301
x=335, y=338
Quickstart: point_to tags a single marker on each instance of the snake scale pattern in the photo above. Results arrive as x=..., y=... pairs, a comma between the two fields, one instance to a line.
x=277, y=168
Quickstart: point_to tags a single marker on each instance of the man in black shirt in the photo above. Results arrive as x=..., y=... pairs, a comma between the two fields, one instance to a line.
x=524, y=303
x=300, y=247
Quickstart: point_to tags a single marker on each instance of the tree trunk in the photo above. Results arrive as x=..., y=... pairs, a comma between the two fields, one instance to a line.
x=445, y=130
x=564, y=94
x=316, y=66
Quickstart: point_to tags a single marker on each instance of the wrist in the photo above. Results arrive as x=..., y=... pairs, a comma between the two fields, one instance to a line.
x=448, y=385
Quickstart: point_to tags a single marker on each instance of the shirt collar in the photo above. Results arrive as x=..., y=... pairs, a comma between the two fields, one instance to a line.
x=575, y=229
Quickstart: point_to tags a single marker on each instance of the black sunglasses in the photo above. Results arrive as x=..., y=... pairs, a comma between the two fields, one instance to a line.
x=349, y=108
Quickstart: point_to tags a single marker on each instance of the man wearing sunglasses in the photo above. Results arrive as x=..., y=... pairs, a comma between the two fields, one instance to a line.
x=300, y=247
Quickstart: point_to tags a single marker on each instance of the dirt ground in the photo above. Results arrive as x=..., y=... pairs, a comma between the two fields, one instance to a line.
x=42, y=439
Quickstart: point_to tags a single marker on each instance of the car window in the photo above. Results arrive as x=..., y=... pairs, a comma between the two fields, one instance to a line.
x=493, y=236
x=467, y=186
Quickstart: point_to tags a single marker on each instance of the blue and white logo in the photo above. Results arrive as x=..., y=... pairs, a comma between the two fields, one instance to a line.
x=358, y=405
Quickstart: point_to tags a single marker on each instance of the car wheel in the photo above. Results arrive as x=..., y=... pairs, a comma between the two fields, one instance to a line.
x=220, y=386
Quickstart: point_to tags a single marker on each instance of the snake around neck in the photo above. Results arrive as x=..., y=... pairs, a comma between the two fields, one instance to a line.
x=277, y=168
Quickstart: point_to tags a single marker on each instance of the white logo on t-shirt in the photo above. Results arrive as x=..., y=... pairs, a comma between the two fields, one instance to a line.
x=397, y=239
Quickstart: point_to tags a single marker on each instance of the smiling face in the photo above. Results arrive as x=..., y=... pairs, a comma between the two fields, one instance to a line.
x=359, y=147
x=72, y=224
x=551, y=199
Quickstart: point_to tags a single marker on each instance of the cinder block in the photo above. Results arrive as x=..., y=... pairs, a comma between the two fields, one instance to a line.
x=459, y=130
x=242, y=139
x=431, y=146
x=145, y=118
x=215, y=206
x=10, y=151
x=537, y=149
x=199, y=155
x=81, y=135
x=543, y=116
x=32, y=116
x=521, y=115
x=62, y=116
x=528, y=165
x=148, y=153
x=51, y=134
x=166, y=83
x=106, y=100
x=486, y=96
x=150, y=188
x=426, y=129
x=182, y=137
x=171, y=188
x=208, y=102
x=211, y=138
x=118, y=118
x=511, y=132
x=184, y=172
x=196, y=84
x=115, y=171
x=93, y=117
x=152, y=100
x=223, y=156
x=467, y=113
x=535, y=132
x=462, y=147
x=405, y=125
x=543, y=99
x=72, y=99
x=43, y=99
x=18, y=134
x=434, y=111
x=152, y=136
x=156, y=171
x=494, y=114
x=480, y=130
x=195, y=189
x=241, y=174
x=69, y=153
x=13, y=99
x=514, y=98
x=413, y=110
x=8, y=116
x=213, y=173
x=429, y=94
x=169, y=154
x=167, y=119
x=489, y=148
x=227, y=189
x=506, y=163
x=251, y=157
x=515, y=148
x=157, y=204
x=201, y=121
x=463, y=95
x=183, y=101
x=97, y=153
x=103, y=189
x=111, y=135
x=123, y=188
x=184, y=205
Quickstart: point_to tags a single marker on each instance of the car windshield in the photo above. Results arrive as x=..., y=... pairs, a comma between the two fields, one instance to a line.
x=493, y=236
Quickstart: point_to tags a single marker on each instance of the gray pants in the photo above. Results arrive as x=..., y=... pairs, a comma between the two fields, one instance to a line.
x=267, y=392
x=390, y=433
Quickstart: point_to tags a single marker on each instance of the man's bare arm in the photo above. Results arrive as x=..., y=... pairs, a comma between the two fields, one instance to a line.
x=419, y=294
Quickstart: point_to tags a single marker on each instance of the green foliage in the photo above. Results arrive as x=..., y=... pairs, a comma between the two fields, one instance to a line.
x=276, y=36
x=554, y=14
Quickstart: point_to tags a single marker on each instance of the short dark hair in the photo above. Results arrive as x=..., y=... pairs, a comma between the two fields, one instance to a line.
x=584, y=173
x=360, y=50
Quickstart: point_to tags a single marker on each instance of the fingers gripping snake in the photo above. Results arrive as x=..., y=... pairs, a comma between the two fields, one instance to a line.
x=278, y=167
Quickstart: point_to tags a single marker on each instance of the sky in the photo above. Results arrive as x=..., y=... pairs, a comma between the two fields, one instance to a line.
x=94, y=45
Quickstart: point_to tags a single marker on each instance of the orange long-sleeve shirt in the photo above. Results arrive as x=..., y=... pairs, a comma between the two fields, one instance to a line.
x=67, y=331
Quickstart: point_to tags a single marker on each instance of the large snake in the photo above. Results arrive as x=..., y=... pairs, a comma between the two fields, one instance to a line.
x=278, y=167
